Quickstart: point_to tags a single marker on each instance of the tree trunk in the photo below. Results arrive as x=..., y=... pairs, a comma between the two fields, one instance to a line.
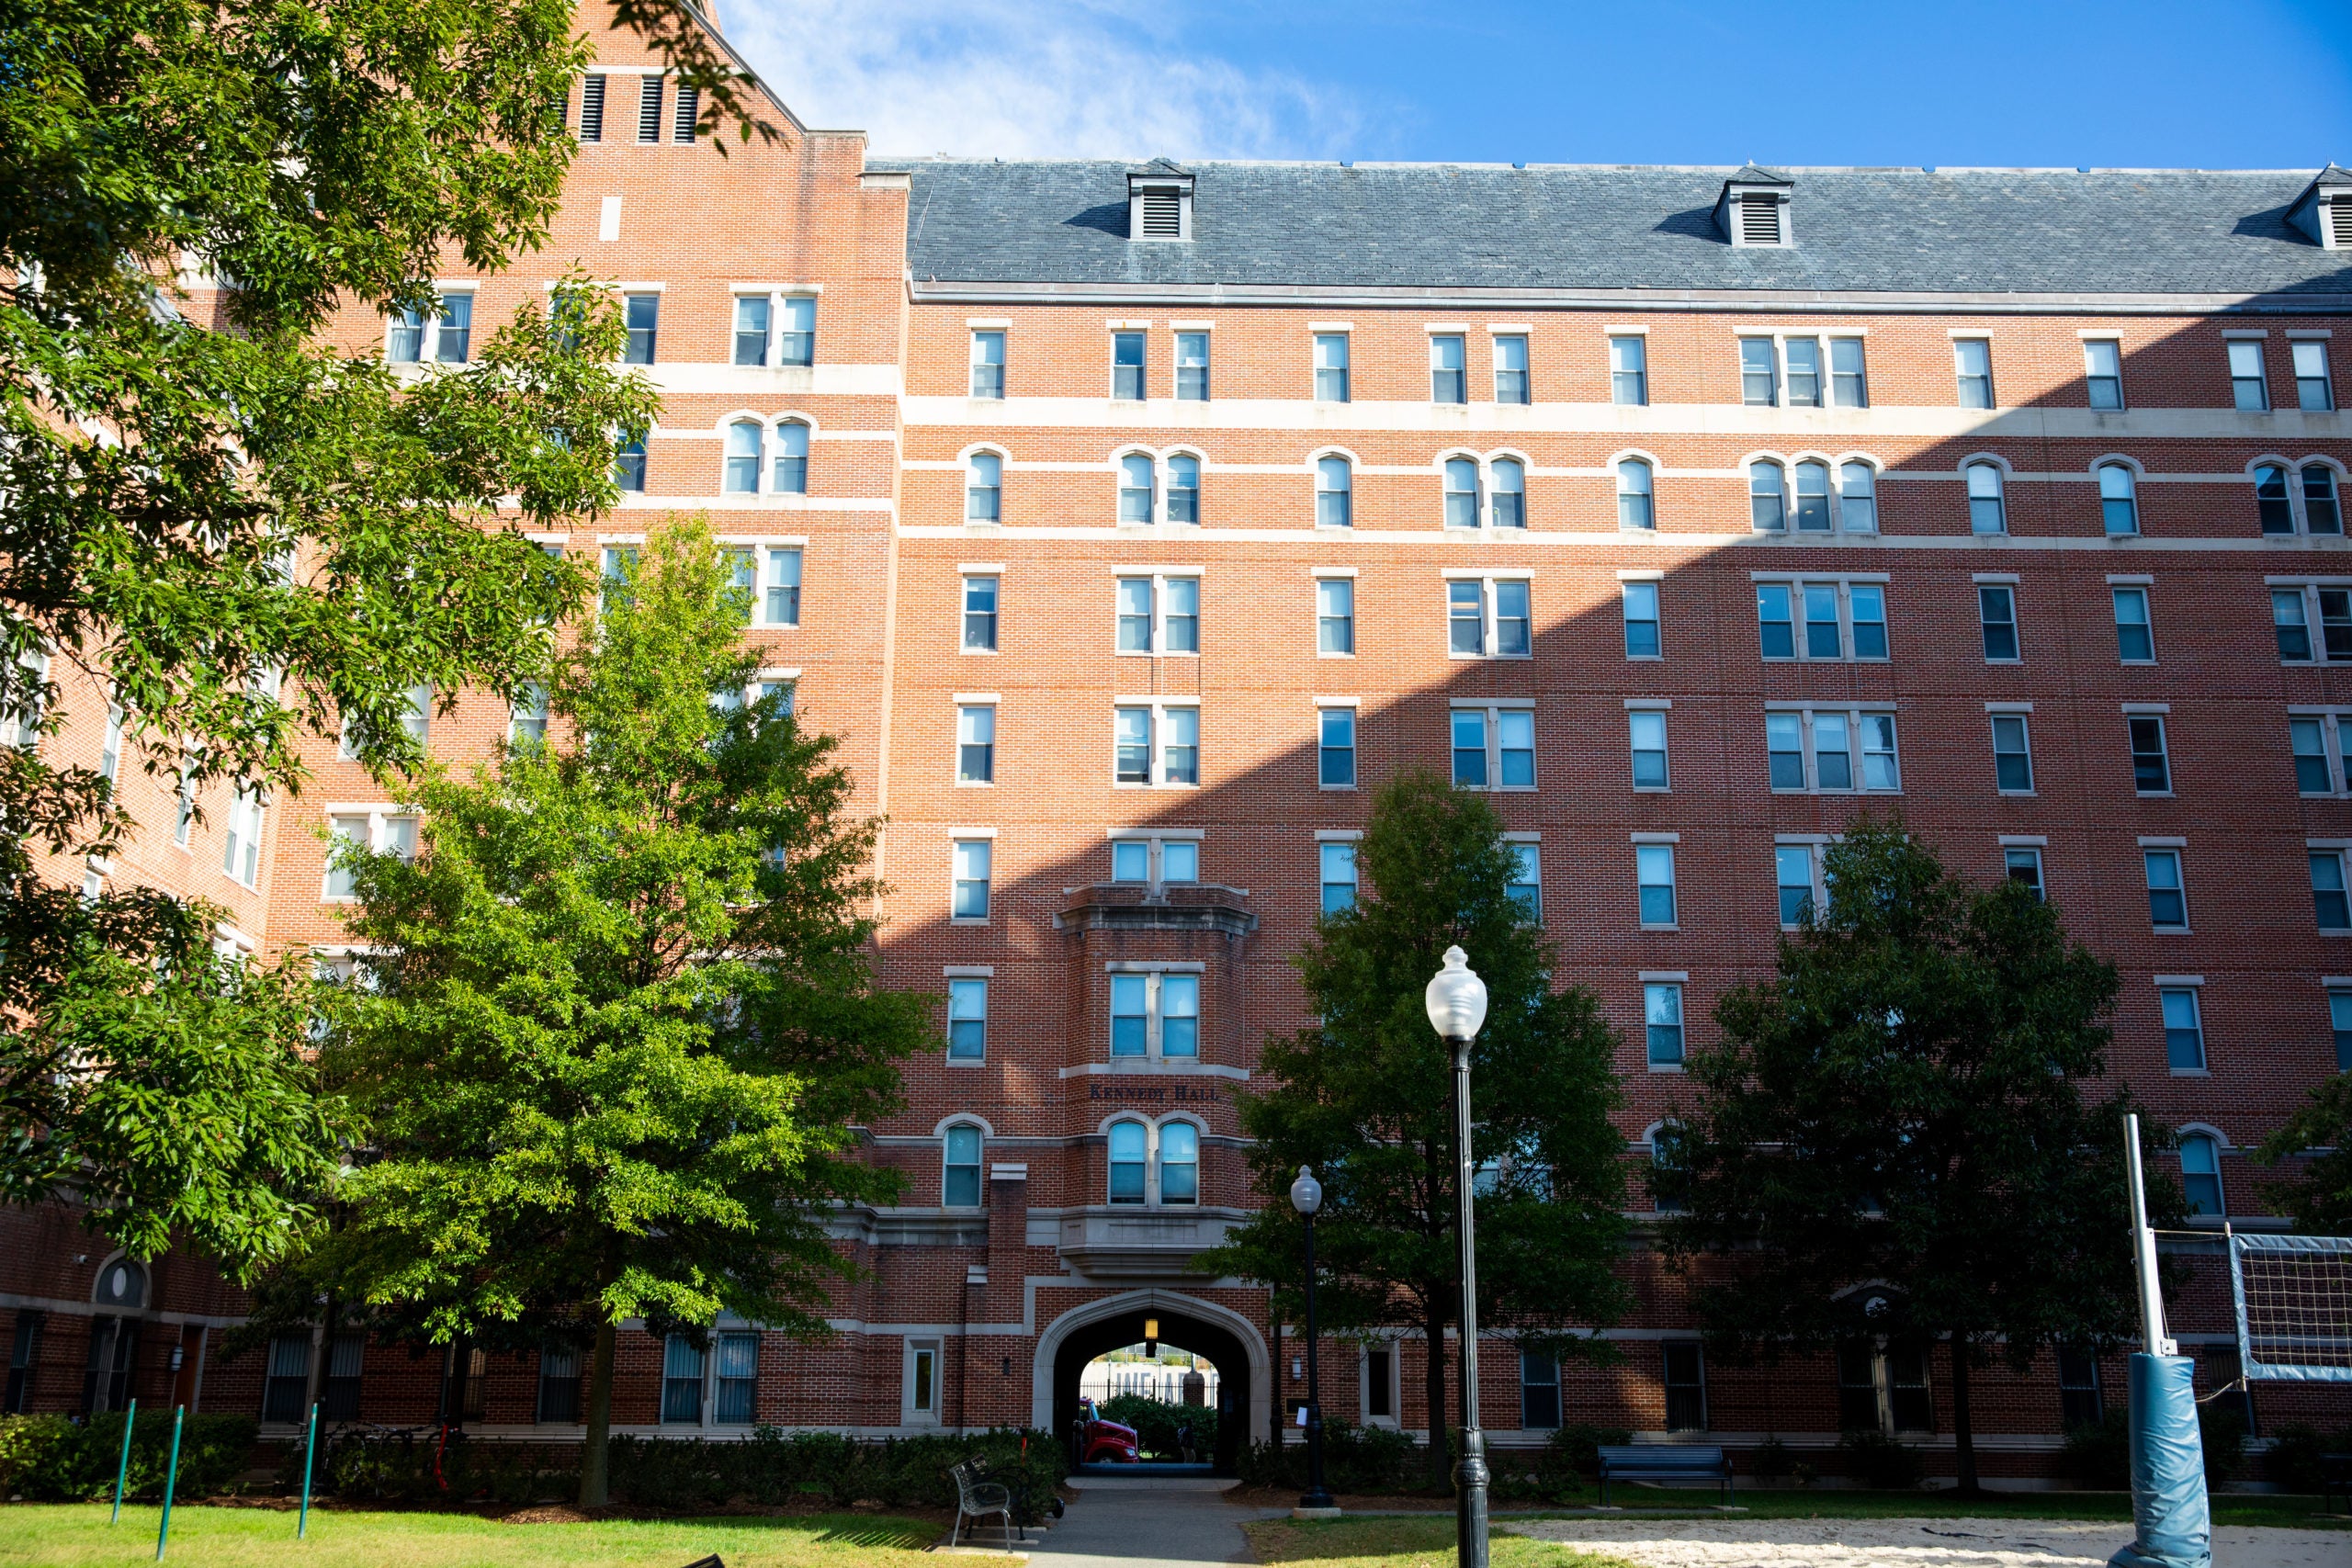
x=1433, y=1384
x=596, y=1447
x=1963, y=1430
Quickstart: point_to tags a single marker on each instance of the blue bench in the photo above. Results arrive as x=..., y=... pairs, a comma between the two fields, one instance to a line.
x=1666, y=1463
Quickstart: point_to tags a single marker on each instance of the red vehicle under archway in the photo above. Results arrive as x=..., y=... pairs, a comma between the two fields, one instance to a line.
x=1104, y=1442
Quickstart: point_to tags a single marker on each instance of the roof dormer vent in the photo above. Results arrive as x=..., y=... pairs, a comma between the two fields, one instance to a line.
x=1159, y=202
x=2325, y=209
x=1753, y=210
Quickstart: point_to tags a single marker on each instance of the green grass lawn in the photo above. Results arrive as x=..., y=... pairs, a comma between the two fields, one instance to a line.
x=1399, y=1543
x=77, y=1535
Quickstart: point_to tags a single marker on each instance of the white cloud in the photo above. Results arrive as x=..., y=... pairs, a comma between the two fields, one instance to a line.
x=1030, y=78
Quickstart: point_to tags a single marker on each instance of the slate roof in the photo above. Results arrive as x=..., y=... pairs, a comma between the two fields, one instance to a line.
x=1480, y=226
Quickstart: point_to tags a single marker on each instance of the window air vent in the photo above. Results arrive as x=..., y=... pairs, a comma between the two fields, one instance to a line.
x=1159, y=202
x=592, y=108
x=1164, y=215
x=649, y=110
x=1760, y=221
x=689, y=104
x=2339, y=217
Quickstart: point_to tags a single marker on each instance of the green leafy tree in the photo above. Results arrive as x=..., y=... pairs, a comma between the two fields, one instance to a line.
x=619, y=1019
x=2319, y=1194
x=1366, y=1097
x=1891, y=1140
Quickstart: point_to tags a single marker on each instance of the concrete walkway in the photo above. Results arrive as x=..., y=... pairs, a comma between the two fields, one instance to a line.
x=1132, y=1522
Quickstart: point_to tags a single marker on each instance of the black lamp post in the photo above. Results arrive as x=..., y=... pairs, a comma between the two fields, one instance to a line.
x=1306, y=1197
x=1456, y=999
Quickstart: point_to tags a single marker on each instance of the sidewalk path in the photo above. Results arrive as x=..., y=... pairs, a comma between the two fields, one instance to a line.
x=1916, y=1543
x=1130, y=1523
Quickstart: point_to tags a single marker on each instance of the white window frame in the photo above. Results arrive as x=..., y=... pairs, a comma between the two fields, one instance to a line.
x=910, y=1413
x=2163, y=720
x=1655, y=583
x=1460, y=338
x=378, y=819
x=2007, y=587
x=2230, y=345
x=1392, y=1347
x=1854, y=714
x=1960, y=378
x=2091, y=374
x=418, y=722
x=1329, y=576
x=1001, y=365
x=1796, y=583
x=1315, y=475
x=247, y=807
x=1160, y=707
x=2012, y=852
x=2022, y=713
x=1154, y=975
x=2333, y=742
x=1816, y=850
x=1492, y=711
x=1349, y=839
x=968, y=704
x=2297, y=345
x=1654, y=844
x=1663, y=709
x=1488, y=618
x=2177, y=850
x=971, y=469
x=964, y=978
x=1528, y=848
x=428, y=331
x=964, y=610
x=1156, y=841
x=1495, y=338
x=1676, y=983
x=534, y=693
x=2298, y=497
x=2315, y=628
x=954, y=840
x=2194, y=987
x=2341, y=853
x=2145, y=587
x=777, y=298
x=1159, y=577
x=1176, y=366
x=1324, y=708
x=1640, y=346
x=1120, y=486
x=1339, y=334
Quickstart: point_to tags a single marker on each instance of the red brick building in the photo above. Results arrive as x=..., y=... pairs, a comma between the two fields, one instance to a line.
x=1127, y=523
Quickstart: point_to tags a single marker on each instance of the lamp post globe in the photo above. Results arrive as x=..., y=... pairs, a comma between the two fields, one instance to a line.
x=1456, y=999
x=1317, y=1502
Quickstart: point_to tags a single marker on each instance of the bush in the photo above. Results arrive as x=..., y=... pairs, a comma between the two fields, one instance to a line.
x=380, y=1466
x=2222, y=1432
x=2099, y=1456
x=1880, y=1462
x=1156, y=1420
x=1355, y=1459
x=2293, y=1462
x=1772, y=1460
x=1580, y=1445
x=48, y=1459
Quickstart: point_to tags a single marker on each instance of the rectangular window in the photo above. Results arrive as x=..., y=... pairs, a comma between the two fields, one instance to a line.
x=1180, y=614
x=783, y=596
x=1909, y=1398
x=2315, y=773
x=971, y=865
x=1448, y=381
x=751, y=322
x=1641, y=608
x=1180, y=1015
x=975, y=744
x=1776, y=627
x=1488, y=616
x=1759, y=375
x=339, y=1389
x=1331, y=367
x=1840, y=620
x=1511, y=369
x=1193, y=368
x=1130, y=1014
x=967, y=1019
x=1470, y=747
x=2167, y=900
x=683, y=1364
x=2329, y=903
x=1818, y=748
x=1629, y=370
x=923, y=1382
x=1135, y=614
x=742, y=577
x=1997, y=612
x=360, y=834
x=2339, y=1021
x=988, y=364
x=2022, y=863
x=559, y=1384
x=110, y=746
x=2151, y=768
x=2012, y=754
x=1496, y=744
x=183, y=809
x=628, y=467
x=2135, y=640
x=1804, y=356
x=2078, y=1397
x=1647, y=732
x=286, y=1376
x=2250, y=387
x=1973, y=360
x=1849, y=386
x=241, y=858
x=1539, y=1391
x=1379, y=1384
x=1527, y=882
x=1686, y=1386
x=2292, y=611
x=642, y=315
x=1156, y=745
x=1823, y=637
x=457, y=328
x=1512, y=631
x=1335, y=751
x=1654, y=878
x=736, y=1380
x=1337, y=863
x=1335, y=615
x=979, y=615
x=2103, y=372
x=648, y=109
x=1156, y=1014
x=592, y=107
x=796, y=338
x=1797, y=867
x=1126, y=367
x=2183, y=1029
x=1865, y=606
x=2314, y=394
x=1662, y=1015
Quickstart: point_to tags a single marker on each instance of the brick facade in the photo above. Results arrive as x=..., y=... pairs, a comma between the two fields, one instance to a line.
x=880, y=659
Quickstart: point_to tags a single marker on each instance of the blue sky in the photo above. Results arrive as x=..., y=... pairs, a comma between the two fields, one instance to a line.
x=2257, y=84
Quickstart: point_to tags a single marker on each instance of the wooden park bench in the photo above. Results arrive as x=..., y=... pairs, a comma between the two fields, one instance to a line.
x=1666, y=1463
x=977, y=1496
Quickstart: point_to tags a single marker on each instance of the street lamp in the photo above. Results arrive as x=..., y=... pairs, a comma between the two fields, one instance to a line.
x=1456, y=999
x=1306, y=1197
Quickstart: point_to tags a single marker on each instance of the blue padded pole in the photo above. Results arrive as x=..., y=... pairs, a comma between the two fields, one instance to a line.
x=2173, y=1520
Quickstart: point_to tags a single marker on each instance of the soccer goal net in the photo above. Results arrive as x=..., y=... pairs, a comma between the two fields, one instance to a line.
x=2294, y=1304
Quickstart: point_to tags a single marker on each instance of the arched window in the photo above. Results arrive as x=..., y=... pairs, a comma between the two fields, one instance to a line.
x=1766, y=499
x=743, y=443
x=2320, y=514
x=2271, y=503
x=1180, y=1163
x=959, y=1179
x=791, y=459
x=1858, y=498
x=984, y=489
x=1461, y=493
x=2116, y=502
x=1137, y=484
x=1183, y=490
x=1986, y=512
x=1635, y=507
x=1509, y=493
x=1334, y=493
x=2200, y=1174
x=1129, y=1143
x=1813, y=498
x=122, y=1285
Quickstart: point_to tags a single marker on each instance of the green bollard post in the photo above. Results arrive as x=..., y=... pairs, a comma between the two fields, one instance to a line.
x=123, y=1465
x=310, y=1453
x=171, y=1476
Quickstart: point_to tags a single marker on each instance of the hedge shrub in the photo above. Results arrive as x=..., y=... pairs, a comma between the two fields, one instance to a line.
x=1156, y=1420
x=52, y=1459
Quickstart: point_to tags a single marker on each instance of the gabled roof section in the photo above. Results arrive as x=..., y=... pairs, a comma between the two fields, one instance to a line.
x=1459, y=226
x=1749, y=174
x=2331, y=190
x=1158, y=166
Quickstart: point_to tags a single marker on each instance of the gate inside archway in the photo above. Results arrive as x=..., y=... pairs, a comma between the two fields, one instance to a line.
x=1185, y=1331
